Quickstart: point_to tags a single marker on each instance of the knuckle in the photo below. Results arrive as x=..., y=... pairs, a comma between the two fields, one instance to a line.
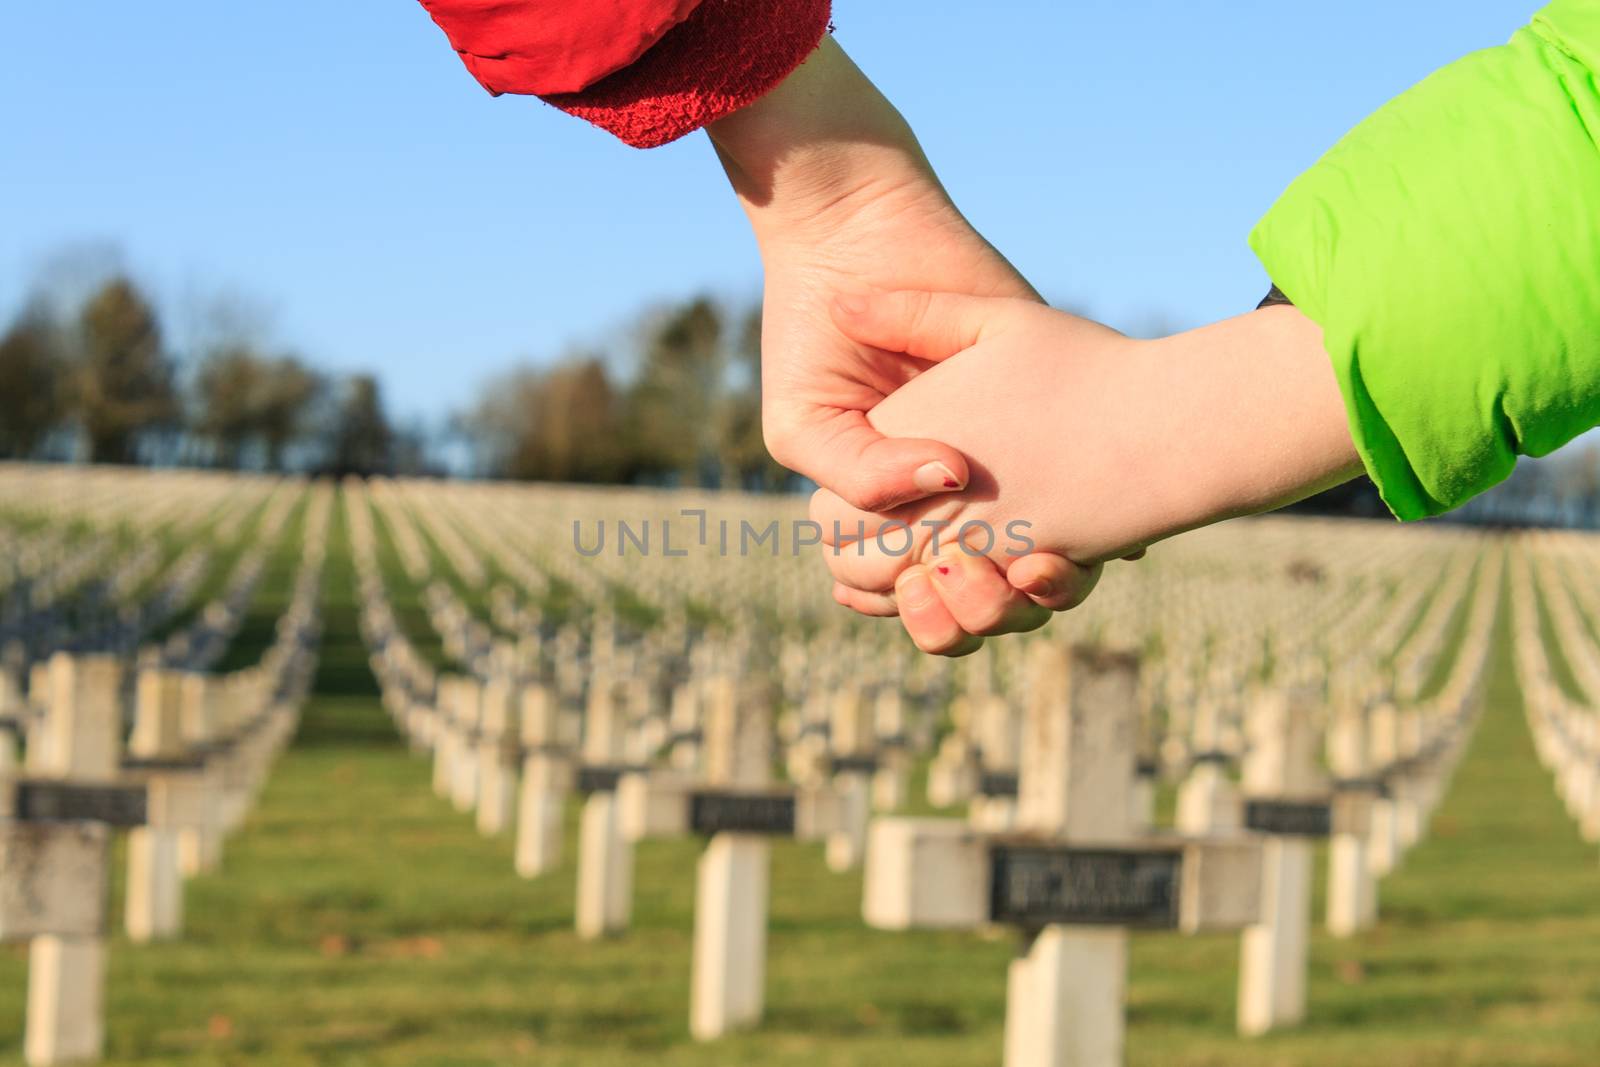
x=917, y=309
x=1030, y=620
x=816, y=508
x=967, y=647
x=870, y=493
x=989, y=619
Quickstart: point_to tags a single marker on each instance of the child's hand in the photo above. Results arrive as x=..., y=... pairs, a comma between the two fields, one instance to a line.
x=1087, y=443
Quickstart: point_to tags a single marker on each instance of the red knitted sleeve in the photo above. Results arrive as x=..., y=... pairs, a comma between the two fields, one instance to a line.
x=648, y=71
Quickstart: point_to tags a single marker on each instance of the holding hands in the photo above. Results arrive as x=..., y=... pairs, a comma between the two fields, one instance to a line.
x=912, y=373
x=1083, y=445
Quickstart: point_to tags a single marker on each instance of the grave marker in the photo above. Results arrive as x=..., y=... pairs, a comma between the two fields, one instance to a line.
x=739, y=810
x=605, y=857
x=546, y=779
x=1284, y=800
x=1352, y=891
x=1079, y=875
x=499, y=750
x=54, y=855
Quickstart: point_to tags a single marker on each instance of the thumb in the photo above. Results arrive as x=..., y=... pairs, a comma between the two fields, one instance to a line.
x=876, y=473
x=931, y=326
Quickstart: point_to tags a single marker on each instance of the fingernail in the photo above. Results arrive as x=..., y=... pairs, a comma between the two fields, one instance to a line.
x=851, y=303
x=950, y=575
x=913, y=590
x=935, y=477
x=1039, y=588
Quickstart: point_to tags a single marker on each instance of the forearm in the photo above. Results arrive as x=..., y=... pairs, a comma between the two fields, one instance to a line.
x=822, y=139
x=1247, y=417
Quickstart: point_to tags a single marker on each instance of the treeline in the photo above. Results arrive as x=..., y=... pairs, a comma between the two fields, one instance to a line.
x=97, y=382
x=680, y=405
x=93, y=377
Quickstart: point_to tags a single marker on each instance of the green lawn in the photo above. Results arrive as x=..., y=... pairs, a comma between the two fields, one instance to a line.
x=358, y=920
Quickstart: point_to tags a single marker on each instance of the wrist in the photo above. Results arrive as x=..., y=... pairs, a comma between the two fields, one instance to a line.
x=812, y=152
x=1261, y=415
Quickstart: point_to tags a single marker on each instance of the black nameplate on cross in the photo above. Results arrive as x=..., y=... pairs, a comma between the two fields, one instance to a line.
x=1374, y=785
x=1292, y=818
x=163, y=763
x=115, y=805
x=602, y=777
x=855, y=764
x=722, y=811
x=1039, y=885
x=997, y=784
x=597, y=779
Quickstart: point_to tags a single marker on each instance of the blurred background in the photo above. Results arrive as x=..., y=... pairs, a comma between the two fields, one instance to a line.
x=301, y=237
x=297, y=238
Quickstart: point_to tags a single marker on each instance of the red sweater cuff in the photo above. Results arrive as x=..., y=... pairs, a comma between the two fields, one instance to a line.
x=529, y=47
x=727, y=54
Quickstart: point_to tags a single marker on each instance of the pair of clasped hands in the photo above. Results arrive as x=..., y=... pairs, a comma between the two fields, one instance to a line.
x=915, y=376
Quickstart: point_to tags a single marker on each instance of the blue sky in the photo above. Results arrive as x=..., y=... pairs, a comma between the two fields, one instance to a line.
x=334, y=161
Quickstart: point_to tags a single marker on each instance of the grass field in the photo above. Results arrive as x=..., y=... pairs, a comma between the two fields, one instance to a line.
x=359, y=920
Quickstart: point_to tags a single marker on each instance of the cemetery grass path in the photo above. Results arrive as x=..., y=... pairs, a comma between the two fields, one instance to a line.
x=359, y=920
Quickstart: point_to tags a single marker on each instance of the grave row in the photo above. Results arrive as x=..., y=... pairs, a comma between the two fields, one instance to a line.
x=1287, y=698
x=95, y=745
x=1552, y=572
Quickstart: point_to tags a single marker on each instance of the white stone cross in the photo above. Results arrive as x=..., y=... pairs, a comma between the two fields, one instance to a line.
x=1286, y=799
x=547, y=762
x=1352, y=891
x=605, y=858
x=179, y=797
x=1076, y=878
x=740, y=810
x=54, y=855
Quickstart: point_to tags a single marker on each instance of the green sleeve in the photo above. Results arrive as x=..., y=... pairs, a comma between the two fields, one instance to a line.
x=1449, y=247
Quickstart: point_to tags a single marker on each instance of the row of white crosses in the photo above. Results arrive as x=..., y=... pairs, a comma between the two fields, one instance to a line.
x=201, y=643
x=88, y=597
x=1076, y=869
x=198, y=752
x=1389, y=760
x=708, y=548
x=76, y=787
x=403, y=532
x=473, y=732
x=624, y=802
x=140, y=498
x=55, y=855
x=183, y=505
x=1403, y=757
x=1076, y=872
x=1286, y=798
x=720, y=736
x=1192, y=685
x=1557, y=570
x=733, y=802
x=98, y=569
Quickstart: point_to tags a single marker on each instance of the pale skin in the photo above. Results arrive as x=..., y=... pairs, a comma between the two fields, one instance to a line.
x=846, y=208
x=1101, y=443
x=841, y=196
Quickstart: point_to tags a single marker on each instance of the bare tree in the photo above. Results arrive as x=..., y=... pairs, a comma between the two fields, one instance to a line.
x=564, y=424
x=31, y=384
x=289, y=390
x=124, y=381
x=672, y=406
x=360, y=436
x=227, y=391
